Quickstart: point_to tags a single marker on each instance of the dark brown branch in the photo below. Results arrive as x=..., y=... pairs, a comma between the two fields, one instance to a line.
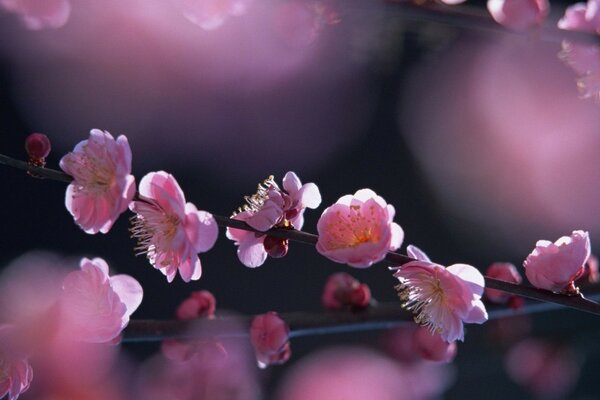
x=576, y=302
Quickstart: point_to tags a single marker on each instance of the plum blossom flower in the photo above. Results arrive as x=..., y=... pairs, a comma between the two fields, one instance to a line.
x=38, y=14
x=269, y=335
x=519, y=14
x=505, y=272
x=342, y=290
x=170, y=231
x=555, y=266
x=442, y=298
x=95, y=307
x=583, y=17
x=102, y=184
x=358, y=230
x=15, y=372
x=272, y=207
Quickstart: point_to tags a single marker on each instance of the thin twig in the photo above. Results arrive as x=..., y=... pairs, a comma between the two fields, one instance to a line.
x=576, y=302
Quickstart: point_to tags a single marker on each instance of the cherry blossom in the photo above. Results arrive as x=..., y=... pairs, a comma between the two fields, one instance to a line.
x=170, y=231
x=102, y=184
x=38, y=14
x=15, y=371
x=358, y=230
x=584, y=17
x=272, y=207
x=519, y=14
x=342, y=290
x=269, y=335
x=442, y=298
x=555, y=266
x=505, y=272
x=95, y=307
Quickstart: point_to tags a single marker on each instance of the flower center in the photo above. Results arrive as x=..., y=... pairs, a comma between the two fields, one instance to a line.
x=93, y=171
x=255, y=202
x=425, y=298
x=353, y=228
x=154, y=230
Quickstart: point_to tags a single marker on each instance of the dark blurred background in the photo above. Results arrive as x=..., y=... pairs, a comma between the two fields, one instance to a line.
x=477, y=138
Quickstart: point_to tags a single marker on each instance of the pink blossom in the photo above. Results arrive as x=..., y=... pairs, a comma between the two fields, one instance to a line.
x=272, y=207
x=342, y=290
x=269, y=335
x=505, y=272
x=358, y=230
x=102, y=184
x=170, y=231
x=519, y=14
x=442, y=298
x=546, y=369
x=95, y=307
x=430, y=346
x=38, y=14
x=15, y=371
x=585, y=61
x=584, y=17
x=211, y=14
x=555, y=266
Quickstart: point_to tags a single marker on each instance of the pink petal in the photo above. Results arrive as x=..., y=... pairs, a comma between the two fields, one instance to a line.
x=291, y=183
x=416, y=253
x=309, y=196
x=397, y=237
x=251, y=251
x=477, y=315
x=470, y=275
x=129, y=290
x=268, y=215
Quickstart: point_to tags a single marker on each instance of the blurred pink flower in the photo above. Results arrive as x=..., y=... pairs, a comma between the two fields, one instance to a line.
x=358, y=230
x=519, y=14
x=430, y=346
x=272, y=207
x=505, y=272
x=95, y=307
x=102, y=184
x=170, y=231
x=269, y=335
x=342, y=290
x=38, y=14
x=442, y=298
x=15, y=371
x=211, y=14
x=200, y=304
x=547, y=370
x=555, y=266
x=585, y=61
x=584, y=17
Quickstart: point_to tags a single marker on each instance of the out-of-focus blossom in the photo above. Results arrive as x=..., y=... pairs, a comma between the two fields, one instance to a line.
x=555, y=266
x=546, y=369
x=40, y=14
x=519, y=14
x=591, y=270
x=584, y=17
x=102, y=184
x=452, y=2
x=170, y=231
x=585, y=61
x=95, y=307
x=299, y=23
x=218, y=370
x=272, y=207
x=200, y=304
x=352, y=373
x=432, y=347
x=211, y=14
x=505, y=272
x=15, y=371
x=358, y=230
x=442, y=298
x=269, y=335
x=342, y=290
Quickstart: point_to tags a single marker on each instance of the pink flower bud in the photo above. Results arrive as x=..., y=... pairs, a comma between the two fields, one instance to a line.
x=275, y=247
x=342, y=290
x=504, y=272
x=519, y=14
x=38, y=147
x=201, y=304
x=555, y=266
x=269, y=335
